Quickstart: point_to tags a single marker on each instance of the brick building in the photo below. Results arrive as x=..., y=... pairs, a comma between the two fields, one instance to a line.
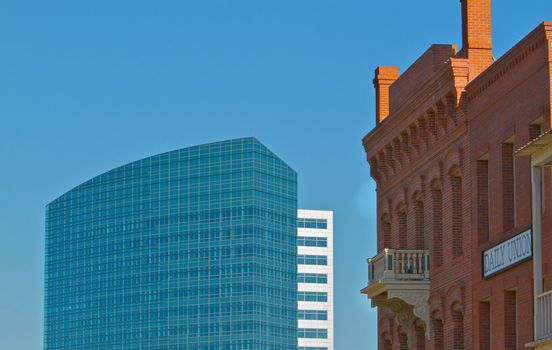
x=454, y=268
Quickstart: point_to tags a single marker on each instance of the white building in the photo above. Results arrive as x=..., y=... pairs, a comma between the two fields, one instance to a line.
x=315, y=280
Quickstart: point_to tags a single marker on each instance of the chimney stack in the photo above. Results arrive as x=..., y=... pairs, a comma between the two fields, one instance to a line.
x=384, y=77
x=477, y=39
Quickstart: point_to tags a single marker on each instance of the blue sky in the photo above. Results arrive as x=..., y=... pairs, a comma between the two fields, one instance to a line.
x=88, y=86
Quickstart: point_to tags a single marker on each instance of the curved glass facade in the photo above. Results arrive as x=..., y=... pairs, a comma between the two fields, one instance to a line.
x=191, y=249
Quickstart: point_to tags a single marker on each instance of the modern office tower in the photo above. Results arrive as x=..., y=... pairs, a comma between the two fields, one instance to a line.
x=315, y=279
x=192, y=249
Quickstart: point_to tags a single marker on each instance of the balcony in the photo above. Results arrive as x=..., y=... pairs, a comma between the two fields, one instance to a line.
x=399, y=280
x=544, y=317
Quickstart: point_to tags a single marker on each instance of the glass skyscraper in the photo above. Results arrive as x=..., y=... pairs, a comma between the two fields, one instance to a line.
x=191, y=249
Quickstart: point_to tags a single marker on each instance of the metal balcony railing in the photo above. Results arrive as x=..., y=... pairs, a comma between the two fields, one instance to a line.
x=544, y=318
x=399, y=265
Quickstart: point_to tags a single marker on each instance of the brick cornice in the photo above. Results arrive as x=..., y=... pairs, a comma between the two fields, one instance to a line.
x=453, y=76
x=456, y=141
x=539, y=36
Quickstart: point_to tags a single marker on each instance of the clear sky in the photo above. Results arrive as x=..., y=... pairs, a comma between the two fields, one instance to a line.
x=86, y=86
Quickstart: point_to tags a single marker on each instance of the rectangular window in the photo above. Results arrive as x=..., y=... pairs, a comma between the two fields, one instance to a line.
x=510, y=321
x=458, y=330
x=437, y=199
x=318, y=333
x=482, y=169
x=312, y=278
x=312, y=223
x=457, y=216
x=303, y=241
x=508, y=189
x=403, y=239
x=312, y=296
x=319, y=315
x=484, y=325
x=419, y=224
x=386, y=225
x=312, y=260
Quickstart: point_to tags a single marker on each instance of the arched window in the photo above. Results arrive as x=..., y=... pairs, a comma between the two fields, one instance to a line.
x=438, y=334
x=458, y=330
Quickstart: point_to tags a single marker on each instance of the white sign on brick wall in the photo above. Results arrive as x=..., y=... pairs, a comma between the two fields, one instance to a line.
x=508, y=253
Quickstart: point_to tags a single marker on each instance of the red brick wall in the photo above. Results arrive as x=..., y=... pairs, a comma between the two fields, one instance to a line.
x=418, y=74
x=505, y=101
x=427, y=160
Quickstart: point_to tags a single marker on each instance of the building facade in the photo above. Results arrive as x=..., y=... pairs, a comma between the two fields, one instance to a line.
x=191, y=249
x=315, y=280
x=454, y=268
x=540, y=151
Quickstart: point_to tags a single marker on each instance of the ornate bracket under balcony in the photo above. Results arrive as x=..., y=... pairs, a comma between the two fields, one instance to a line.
x=399, y=280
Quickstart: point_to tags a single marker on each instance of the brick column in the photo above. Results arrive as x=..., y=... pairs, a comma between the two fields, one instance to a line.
x=477, y=39
x=384, y=77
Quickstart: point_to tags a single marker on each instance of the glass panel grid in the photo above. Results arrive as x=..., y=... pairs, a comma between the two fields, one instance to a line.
x=194, y=249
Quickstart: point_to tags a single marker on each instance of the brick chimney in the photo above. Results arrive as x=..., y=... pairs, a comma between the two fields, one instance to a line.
x=384, y=77
x=477, y=38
